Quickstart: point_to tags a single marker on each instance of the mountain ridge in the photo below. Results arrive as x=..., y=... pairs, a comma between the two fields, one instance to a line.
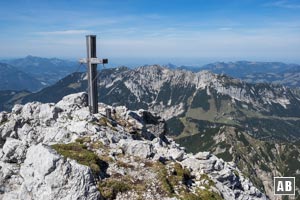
x=156, y=86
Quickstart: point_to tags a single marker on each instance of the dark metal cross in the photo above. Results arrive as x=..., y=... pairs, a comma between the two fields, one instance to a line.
x=92, y=62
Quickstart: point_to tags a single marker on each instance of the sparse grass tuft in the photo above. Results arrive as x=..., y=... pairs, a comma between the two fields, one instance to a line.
x=103, y=121
x=97, y=145
x=210, y=182
x=236, y=173
x=83, y=140
x=124, y=165
x=78, y=152
x=110, y=188
x=190, y=196
x=208, y=195
x=177, y=178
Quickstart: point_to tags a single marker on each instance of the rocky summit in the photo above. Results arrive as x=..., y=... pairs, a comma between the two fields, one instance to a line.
x=61, y=151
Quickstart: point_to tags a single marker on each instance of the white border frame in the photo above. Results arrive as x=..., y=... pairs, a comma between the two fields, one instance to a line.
x=285, y=194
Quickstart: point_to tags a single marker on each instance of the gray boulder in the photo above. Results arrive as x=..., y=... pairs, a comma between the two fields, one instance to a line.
x=3, y=117
x=137, y=148
x=47, y=113
x=152, y=126
x=176, y=154
x=13, y=151
x=73, y=101
x=202, y=155
x=49, y=176
x=8, y=129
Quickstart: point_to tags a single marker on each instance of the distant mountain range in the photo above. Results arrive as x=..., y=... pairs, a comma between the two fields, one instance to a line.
x=253, y=72
x=257, y=126
x=259, y=72
x=289, y=77
x=183, y=67
x=12, y=78
x=46, y=71
x=243, y=68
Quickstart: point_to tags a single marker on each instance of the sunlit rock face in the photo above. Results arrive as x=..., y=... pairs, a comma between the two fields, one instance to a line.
x=61, y=151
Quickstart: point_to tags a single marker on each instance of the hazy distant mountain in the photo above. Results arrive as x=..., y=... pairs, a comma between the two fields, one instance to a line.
x=258, y=72
x=183, y=67
x=289, y=77
x=46, y=70
x=243, y=68
x=14, y=79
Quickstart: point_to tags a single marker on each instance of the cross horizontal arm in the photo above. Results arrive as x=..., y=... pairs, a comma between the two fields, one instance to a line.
x=93, y=60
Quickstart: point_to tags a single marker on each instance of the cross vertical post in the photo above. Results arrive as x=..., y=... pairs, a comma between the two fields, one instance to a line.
x=92, y=73
x=91, y=60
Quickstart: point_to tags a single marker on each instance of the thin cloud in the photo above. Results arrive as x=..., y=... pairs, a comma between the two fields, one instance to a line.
x=64, y=32
x=283, y=4
x=225, y=29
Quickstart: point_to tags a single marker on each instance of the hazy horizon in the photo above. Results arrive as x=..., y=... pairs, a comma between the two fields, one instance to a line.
x=135, y=62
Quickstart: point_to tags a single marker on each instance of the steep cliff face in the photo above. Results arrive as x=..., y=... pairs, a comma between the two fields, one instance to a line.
x=60, y=151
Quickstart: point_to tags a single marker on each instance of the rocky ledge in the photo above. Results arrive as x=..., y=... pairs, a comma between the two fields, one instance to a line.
x=61, y=151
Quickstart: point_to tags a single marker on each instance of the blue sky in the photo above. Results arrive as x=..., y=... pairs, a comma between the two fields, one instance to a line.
x=178, y=31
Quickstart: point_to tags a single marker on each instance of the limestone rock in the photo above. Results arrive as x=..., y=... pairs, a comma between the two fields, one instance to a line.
x=49, y=176
x=17, y=109
x=73, y=101
x=13, y=151
x=176, y=154
x=151, y=126
x=202, y=155
x=30, y=169
x=3, y=117
x=137, y=148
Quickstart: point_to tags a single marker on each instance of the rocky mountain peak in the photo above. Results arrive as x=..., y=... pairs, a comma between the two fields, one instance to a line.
x=61, y=151
x=157, y=76
x=151, y=82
